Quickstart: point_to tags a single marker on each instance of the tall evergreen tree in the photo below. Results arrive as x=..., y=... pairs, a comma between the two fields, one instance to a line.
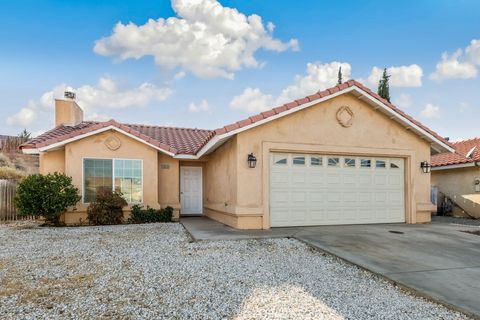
x=384, y=86
x=340, y=77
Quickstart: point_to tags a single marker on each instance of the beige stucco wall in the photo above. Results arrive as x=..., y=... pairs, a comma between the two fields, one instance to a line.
x=458, y=185
x=94, y=147
x=67, y=112
x=169, y=183
x=220, y=176
x=53, y=161
x=315, y=130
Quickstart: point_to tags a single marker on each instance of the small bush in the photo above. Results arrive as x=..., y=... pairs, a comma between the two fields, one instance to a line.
x=10, y=173
x=5, y=161
x=107, y=208
x=46, y=196
x=150, y=215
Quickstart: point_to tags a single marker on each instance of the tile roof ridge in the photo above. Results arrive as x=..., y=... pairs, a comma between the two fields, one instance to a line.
x=466, y=140
x=165, y=127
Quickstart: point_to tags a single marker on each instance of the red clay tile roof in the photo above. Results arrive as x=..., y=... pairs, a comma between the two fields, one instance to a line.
x=174, y=140
x=190, y=141
x=462, y=148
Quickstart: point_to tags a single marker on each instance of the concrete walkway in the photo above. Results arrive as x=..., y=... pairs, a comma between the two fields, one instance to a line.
x=436, y=260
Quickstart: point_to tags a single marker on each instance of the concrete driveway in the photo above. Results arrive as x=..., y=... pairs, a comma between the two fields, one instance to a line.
x=437, y=260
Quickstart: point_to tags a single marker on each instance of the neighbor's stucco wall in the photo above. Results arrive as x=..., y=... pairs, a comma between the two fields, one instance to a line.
x=458, y=185
x=316, y=130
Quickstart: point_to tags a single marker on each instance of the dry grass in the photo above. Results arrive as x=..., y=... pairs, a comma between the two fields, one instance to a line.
x=11, y=173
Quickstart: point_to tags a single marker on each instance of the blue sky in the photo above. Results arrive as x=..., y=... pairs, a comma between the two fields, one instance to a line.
x=155, y=75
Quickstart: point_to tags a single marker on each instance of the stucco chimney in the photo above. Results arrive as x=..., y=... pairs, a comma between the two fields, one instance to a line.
x=67, y=111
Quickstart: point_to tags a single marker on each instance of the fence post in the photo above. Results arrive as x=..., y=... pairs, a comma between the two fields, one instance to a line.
x=7, y=204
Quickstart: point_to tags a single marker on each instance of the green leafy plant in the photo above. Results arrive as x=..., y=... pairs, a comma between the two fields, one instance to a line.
x=107, y=208
x=46, y=196
x=150, y=215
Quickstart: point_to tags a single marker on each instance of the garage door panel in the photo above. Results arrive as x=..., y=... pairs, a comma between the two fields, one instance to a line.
x=364, y=180
x=313, y=193
x=334, y=178
x=349, y=179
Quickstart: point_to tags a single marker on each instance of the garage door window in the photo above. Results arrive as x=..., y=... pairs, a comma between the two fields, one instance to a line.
x=394, y=165
x=333, y=162
x=334, y=189
x=365, y=163
x=299, y=161
x=349, y=162
x=381, y=164
x=280, y=159
x=316, y=161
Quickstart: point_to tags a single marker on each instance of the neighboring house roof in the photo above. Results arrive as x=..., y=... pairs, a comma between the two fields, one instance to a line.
x=467, y=152
x=193, y=143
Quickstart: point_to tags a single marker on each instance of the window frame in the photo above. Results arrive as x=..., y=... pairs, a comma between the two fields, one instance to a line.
x=113, y=175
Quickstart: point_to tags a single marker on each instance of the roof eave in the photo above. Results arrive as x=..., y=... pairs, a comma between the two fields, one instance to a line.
x=436, y=144
x=54, y=146
x=456, y=166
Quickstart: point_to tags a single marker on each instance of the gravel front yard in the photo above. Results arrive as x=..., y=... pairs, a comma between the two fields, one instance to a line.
x=152, y=271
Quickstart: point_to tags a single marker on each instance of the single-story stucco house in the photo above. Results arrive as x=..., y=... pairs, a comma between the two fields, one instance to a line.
x=457, y=176
x=340, y=156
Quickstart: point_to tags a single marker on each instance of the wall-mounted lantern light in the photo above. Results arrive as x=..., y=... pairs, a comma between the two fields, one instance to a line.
x=252, y=160
x=426, y=167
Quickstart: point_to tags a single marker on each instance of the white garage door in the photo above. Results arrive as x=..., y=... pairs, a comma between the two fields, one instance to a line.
x=308, y=190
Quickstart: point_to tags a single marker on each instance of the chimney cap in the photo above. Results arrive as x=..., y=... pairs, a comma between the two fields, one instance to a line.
x=69, y=95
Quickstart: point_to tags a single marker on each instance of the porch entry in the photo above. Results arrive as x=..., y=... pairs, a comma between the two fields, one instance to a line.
x=191, y=193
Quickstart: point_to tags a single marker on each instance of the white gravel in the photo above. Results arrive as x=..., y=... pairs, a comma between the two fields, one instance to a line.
x=153, y=272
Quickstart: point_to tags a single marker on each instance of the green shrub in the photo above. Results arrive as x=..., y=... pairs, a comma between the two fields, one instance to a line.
x=107, y=208
x=150, y=215
x=46, y=196
x=10, y=173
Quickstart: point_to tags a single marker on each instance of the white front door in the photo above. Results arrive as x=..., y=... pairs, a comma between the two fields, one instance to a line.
x=191, y=197
x=308, y=190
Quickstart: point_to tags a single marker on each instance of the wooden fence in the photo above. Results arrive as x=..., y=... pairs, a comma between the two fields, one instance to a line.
x=7, y=205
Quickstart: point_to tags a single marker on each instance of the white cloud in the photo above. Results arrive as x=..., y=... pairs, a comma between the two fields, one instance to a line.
x=402, y=76
x=473, y=52
x=459, y=65
x=252, y=101
x=451, y=68
x=24, y=118
x=403, y=100
x=107, y=94
x=202, y=106
x=430, y=111
x=206, y=39
x=318, y=77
